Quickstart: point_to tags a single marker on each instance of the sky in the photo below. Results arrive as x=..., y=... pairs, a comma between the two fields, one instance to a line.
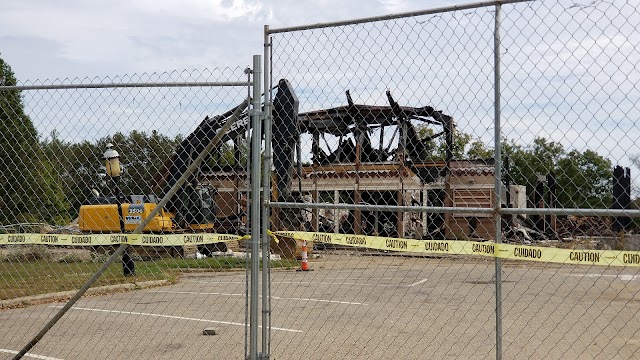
x=570, y=69
x=73, y=41
x=74, y=38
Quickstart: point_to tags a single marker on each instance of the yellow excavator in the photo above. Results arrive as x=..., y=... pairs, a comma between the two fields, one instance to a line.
x=106, y=215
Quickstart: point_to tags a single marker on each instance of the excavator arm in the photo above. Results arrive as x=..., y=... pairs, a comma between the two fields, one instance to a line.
x=187, y=203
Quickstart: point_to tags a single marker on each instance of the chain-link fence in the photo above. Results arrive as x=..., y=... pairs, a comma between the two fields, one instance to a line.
x=451, y=183
x=462, y=179
x=135, y=190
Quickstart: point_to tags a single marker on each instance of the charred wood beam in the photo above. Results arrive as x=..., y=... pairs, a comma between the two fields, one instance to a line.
x=621, y=196
x=401, y=118
x=315, y=146
x=539, y=203
x=359, y=135
x=553, y=200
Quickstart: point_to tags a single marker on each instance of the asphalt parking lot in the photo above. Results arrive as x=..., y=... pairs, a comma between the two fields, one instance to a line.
x=355, y=307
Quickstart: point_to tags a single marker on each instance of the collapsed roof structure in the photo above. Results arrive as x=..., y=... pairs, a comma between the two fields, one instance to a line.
x=355, y=169
x=360, y=120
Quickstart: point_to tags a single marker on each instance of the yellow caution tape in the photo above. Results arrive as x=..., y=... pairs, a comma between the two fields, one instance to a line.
x=116, y=239
x=490, y=249
x=273, y=235
x=453, y=247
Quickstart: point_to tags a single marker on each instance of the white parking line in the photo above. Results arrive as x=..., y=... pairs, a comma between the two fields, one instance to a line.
x=215, y=282
x=623, y=277
x=41, y=357
x=321, y=300
x=173, y=317
x=195, y=293
x=273, y=297
x=335, y=283
x=419, y=282
x=296, y=282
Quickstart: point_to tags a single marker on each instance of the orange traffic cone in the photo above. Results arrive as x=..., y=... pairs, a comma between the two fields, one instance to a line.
x=304, y=264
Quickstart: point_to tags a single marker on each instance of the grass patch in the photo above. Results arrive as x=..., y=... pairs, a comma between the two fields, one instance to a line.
x=26, y=278
x=20, y=277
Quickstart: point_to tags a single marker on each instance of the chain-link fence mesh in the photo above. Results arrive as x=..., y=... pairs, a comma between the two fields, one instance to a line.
x=67, y=205
x=571, y=133
x=414, y=235
x=400, y=112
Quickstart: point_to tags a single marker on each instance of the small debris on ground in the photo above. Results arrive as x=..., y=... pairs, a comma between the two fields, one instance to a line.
x=209, y=331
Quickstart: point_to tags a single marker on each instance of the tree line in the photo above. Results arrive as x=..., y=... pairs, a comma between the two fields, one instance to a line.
x=29, y=190
x=584, y=179
x=80, y=167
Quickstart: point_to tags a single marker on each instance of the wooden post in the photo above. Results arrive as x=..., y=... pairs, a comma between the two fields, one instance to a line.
x=448, y=196
x=627, y=196
x=356, y=195
x=336, y=212
x=315, y=216
x=314, y=194
x=376, y=215
x=423, y=215
x=553, y=199
x=400, y=214
x=539, y=202
x=618, y=197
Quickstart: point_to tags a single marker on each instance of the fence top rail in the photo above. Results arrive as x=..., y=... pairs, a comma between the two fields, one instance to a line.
x=127, y=85
x=394, y=16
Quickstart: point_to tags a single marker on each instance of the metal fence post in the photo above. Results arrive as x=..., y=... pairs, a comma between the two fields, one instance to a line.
x=256, y=145
x=266, y=195
x=498, y=177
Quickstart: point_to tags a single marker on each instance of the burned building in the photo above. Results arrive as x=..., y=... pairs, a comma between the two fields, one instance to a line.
x=374, y=156
x=354, y=167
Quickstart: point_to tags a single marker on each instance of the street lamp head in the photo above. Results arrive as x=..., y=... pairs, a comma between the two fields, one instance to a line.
x=112, y=162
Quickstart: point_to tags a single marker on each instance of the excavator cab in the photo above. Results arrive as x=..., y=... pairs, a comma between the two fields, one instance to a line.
x=200, y=208
x=196, y=207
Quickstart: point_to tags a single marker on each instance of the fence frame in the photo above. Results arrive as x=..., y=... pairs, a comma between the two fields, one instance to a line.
x=122, y=248
x=260, y=179
x=497, y=212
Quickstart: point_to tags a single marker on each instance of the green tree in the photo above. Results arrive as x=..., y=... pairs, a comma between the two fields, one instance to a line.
x=29, y=187
x=81, y=165
x=585, y=180
x=142, y=156
x=479, y=150
x=465, y=146
x=225, y=156
x=527, y=163
x=77, y=168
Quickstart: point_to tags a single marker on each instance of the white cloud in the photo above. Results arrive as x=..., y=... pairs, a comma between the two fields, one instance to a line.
x=395, y=6
x=209, y=10
x=115, y=37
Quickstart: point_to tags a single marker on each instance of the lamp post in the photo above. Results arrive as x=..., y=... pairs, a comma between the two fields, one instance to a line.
x=114, y=170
